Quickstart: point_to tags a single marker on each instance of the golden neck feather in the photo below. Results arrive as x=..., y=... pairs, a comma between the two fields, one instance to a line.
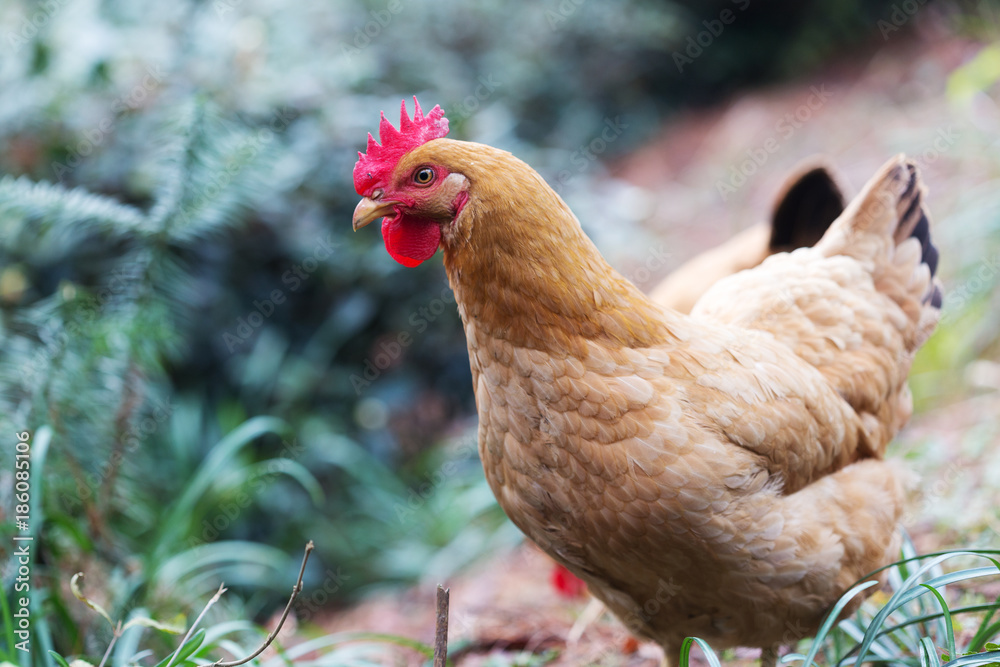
x=524, y=271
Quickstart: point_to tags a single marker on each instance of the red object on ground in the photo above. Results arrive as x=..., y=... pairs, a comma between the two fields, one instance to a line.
x=566, y=583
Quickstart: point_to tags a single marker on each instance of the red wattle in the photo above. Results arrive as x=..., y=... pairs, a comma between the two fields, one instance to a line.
x=410, y=241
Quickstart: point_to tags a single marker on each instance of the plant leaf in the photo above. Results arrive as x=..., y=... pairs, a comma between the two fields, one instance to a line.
x=977, y=659
x=185, y=651
x=173, y=628
x=75, y=585
x=685, y=657
x=949, y=627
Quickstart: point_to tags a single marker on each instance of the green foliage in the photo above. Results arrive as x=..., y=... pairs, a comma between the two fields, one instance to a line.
x=83, y=363
x=918, y=625
x=916, y=628
x=987, y=648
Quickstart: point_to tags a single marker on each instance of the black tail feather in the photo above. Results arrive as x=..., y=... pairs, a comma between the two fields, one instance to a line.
x=922, y=232
x=936, y=297
x=811, y=200
x=915, y=223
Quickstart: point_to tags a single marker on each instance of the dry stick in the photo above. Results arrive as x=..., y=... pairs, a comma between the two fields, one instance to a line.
x=441, y=627
x=114, y=638
x=274, y=633
x=215, y=598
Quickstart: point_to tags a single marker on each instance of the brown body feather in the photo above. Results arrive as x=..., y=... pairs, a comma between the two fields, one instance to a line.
x=717, y=475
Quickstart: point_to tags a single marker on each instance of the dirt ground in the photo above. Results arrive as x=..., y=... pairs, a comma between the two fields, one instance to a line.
x=883, y=102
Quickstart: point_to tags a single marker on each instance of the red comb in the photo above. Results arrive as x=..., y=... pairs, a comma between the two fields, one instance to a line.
x=373, y=168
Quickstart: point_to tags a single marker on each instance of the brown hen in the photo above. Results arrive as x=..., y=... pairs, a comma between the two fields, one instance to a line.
x=717, y=475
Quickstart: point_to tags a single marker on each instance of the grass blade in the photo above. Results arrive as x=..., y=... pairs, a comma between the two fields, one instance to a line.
x=61, y=661
x=928, y=653
x=194, y=567
x=830, y=620
x=936, y=616
x=986, y=631
x=948, y=626
x=908, y=592
x=185, y=651
x=213, y=466
x=977, y=659
x=713, y=660
x=8, y=623
x=292, y=469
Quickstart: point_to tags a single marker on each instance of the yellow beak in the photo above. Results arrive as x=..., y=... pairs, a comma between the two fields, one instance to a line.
x=369, y=210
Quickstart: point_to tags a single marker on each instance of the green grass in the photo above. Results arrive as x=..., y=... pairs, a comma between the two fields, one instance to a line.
x=232, y=640
x=915, y=626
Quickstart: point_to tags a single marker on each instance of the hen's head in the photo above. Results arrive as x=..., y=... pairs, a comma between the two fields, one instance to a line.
x=414, y=193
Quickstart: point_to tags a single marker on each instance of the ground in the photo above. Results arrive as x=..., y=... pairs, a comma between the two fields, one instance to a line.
x=709, y=173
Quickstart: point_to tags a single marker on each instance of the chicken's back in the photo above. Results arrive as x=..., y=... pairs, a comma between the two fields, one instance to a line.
x=858, y=306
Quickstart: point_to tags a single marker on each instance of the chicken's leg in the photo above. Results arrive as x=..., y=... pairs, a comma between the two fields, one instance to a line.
x=590, y=614
x=671, y=655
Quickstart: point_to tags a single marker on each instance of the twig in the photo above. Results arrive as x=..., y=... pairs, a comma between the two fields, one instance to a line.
x=441, y=627
x=215, y=598
x=114, y=637
x=274, y=633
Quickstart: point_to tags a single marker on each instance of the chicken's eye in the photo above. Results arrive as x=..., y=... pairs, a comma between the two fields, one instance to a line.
x=423, y=176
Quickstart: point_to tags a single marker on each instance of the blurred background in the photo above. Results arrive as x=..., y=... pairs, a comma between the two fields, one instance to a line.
x=215, y=370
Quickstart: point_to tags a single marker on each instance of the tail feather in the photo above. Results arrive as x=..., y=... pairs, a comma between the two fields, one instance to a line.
x=915, y=223
x=888, y=212
x=808, y=204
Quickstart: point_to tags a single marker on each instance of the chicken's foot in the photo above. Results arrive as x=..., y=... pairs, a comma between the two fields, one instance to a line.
x=769, y=656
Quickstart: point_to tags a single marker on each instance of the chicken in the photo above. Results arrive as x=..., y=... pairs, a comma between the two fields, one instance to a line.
x=718, y=474
x=808, y=203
